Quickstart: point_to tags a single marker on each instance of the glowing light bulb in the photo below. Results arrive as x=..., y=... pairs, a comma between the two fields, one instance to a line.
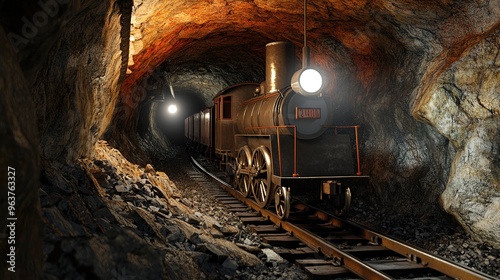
x=307, y=81
x=311, y=80
x=172, y=109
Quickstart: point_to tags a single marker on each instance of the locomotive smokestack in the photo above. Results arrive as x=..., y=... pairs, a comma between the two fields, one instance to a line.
x=280, y=65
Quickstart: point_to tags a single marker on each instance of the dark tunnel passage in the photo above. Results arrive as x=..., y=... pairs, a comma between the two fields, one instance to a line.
x=196, y=74
x=170, y=124
x=194, y=82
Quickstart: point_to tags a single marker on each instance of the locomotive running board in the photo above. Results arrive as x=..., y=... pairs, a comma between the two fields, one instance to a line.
x=300, y=181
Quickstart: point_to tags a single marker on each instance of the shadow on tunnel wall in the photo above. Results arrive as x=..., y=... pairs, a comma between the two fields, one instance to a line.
x=21, y=227
x=408, y=161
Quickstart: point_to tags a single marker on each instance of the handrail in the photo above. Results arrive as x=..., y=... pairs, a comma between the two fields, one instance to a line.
x=279, y=152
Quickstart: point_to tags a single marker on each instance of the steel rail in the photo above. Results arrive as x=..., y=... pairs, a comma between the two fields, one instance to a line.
x=349, y=261
x=413, y=254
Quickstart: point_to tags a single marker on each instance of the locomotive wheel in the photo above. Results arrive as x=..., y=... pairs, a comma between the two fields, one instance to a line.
x=261, y=183
x=282, y=202
x=242, y=178
x=343, y=203
x=244, y=185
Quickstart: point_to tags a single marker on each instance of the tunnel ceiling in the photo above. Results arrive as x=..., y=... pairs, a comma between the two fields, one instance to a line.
x=227, y=37
x=231, y=35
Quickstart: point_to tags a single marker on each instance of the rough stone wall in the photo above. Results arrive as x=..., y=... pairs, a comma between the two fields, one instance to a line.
x=20, y=168
x=58, y=94
x=77, y=88
x=464, y=106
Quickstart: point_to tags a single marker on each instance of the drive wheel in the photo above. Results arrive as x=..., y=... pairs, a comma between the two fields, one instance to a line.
x=261, y=183
x=343, y=203
x=242, y=178
x=282, y=202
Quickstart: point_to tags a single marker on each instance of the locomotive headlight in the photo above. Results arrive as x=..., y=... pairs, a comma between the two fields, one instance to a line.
x=307, y=81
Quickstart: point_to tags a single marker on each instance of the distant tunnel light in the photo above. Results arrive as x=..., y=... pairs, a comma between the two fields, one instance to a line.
x=307, y=81
x=172, y=109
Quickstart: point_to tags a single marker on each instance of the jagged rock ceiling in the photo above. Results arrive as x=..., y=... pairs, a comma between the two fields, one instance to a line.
x=363, y=33
x=421, y=77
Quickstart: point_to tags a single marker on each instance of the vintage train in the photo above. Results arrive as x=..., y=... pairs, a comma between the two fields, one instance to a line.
x=275, y=142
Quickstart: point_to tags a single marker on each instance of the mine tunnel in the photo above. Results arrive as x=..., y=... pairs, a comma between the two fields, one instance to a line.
x=84, y=86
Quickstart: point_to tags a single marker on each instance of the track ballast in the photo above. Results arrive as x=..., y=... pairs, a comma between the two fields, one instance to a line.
x=328, y=247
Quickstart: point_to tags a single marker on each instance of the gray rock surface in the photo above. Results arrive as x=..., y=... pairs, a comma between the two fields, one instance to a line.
x=143, y=231
x=464, y=105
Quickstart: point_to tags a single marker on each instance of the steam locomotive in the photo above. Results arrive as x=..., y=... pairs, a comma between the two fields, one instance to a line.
x=276, y=138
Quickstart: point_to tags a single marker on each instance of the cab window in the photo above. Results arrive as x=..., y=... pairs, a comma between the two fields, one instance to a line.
x=226, y=107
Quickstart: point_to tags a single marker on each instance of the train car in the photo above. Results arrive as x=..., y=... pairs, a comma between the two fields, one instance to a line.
x=197, y=128
x=189, y=127
x=206, y=128
x=276, y=142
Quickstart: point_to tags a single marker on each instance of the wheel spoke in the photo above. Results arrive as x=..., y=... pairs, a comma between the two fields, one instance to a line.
x=262, y=190
x=261, y=185
x=242, y=177
x=243, y=184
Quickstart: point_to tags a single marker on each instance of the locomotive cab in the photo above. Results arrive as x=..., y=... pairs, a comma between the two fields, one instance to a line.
x=226, y=106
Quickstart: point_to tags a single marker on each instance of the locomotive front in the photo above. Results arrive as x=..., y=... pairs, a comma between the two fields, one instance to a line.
x=279, y=106
x=282, y=140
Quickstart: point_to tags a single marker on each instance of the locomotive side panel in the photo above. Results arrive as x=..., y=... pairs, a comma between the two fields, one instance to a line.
x=259, y=116
x=253, y=141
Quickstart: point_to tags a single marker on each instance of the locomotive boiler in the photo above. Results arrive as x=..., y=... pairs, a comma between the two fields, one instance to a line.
x=276, y=141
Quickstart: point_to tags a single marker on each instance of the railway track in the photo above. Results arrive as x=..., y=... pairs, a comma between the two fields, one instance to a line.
x=328, y=247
